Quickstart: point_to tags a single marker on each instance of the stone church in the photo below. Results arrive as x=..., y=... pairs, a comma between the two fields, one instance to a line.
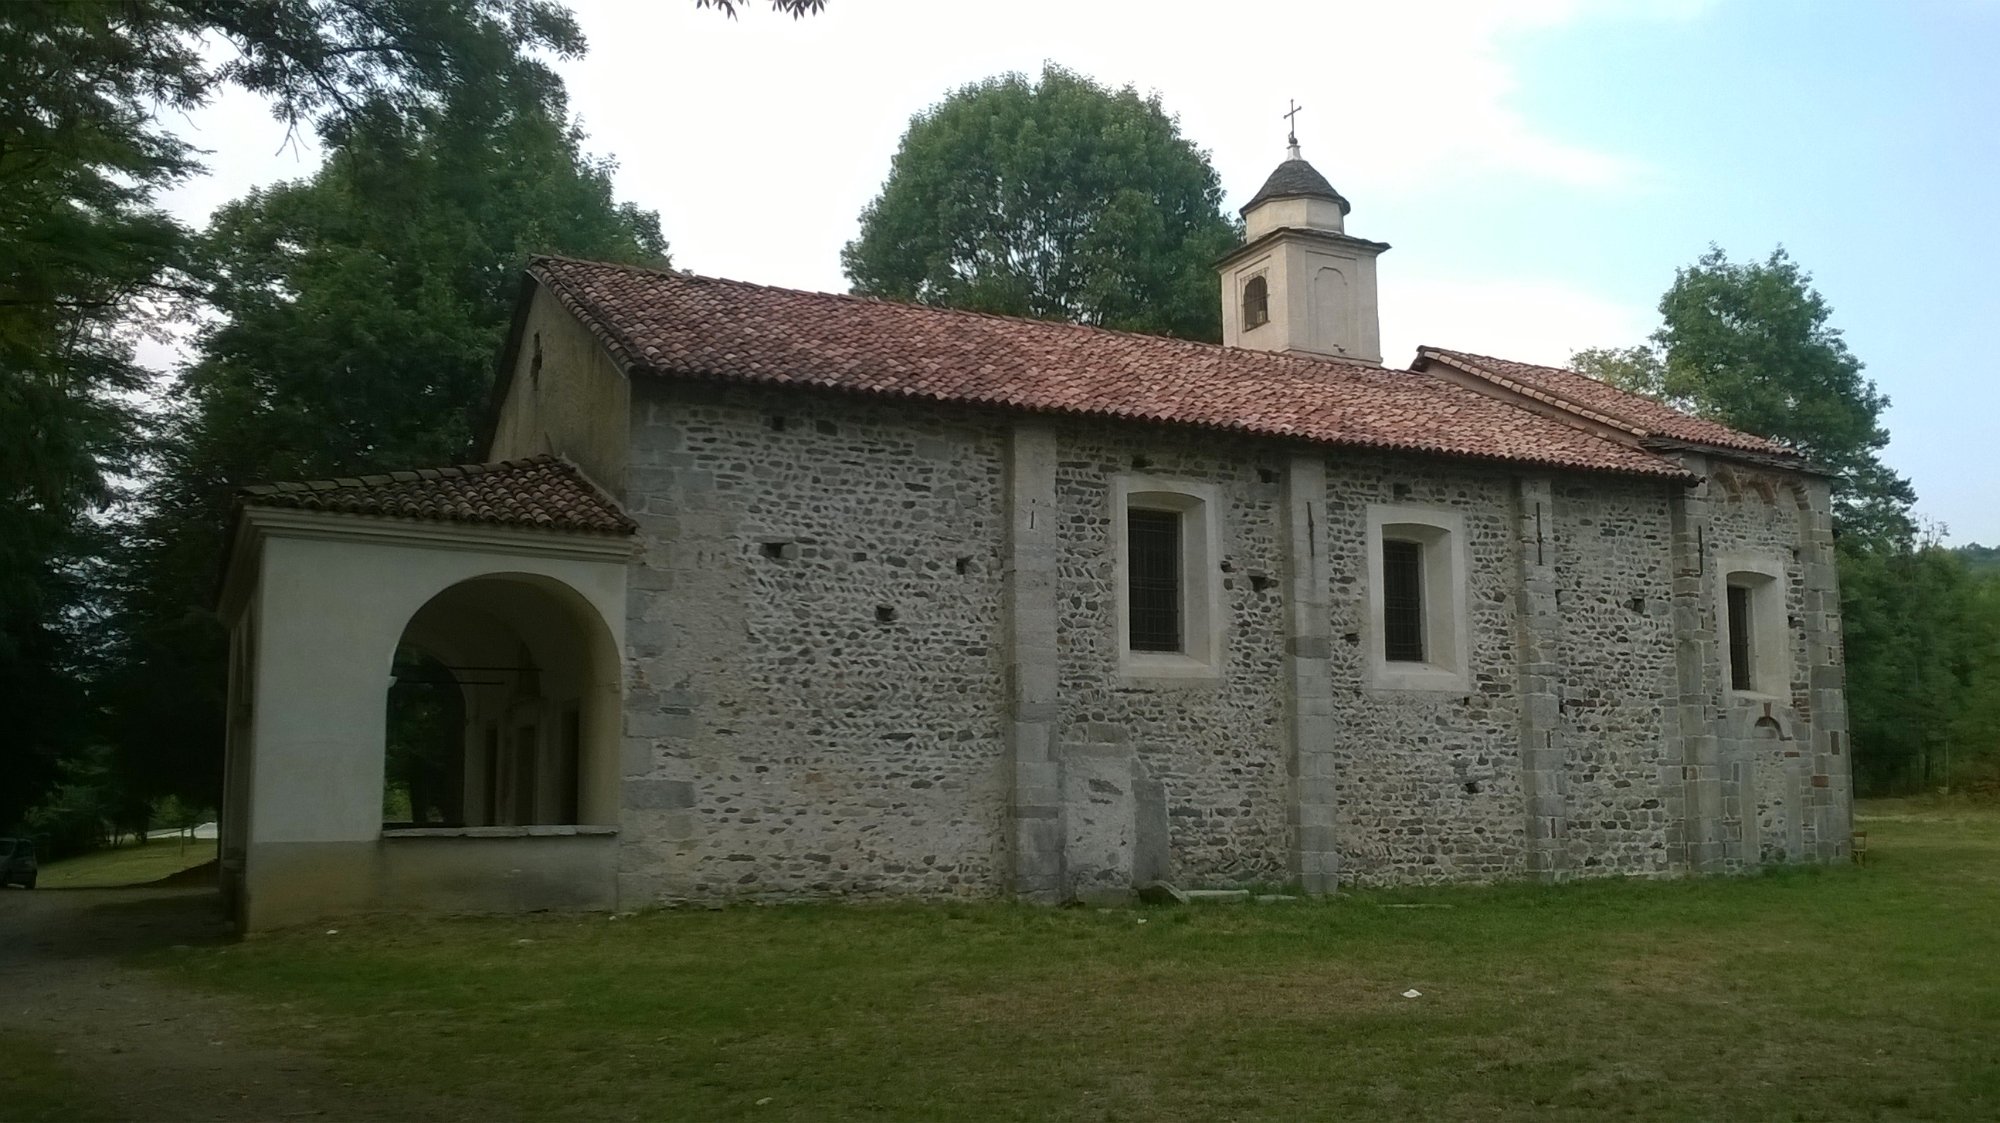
x=767, y=594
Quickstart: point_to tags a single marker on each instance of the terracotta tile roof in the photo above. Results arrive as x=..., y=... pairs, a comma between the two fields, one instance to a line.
x=676, y=325
x=541, y=492
x=1601, y=401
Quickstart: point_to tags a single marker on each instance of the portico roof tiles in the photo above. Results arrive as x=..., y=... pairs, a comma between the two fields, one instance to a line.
x=541, y=492
x=682, y=326
x=1600, y=400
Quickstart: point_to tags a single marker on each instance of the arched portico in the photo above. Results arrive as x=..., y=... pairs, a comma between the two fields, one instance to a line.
x=527, y=621
x=535, y=674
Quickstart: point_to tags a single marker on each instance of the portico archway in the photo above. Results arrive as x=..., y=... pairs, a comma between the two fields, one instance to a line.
x=493, y=596
x=502, y=711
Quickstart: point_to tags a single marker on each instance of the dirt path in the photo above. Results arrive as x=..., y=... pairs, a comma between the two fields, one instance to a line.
x=153, y=1052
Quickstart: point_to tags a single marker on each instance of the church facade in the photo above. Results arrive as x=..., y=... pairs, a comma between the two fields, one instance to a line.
x=768, y=594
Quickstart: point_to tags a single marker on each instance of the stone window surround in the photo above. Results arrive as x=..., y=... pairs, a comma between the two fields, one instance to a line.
x=1447, y=626
x=1202, y=618
x=1770, y=636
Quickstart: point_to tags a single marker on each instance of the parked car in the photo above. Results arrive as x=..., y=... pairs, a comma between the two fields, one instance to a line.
x=17, y=863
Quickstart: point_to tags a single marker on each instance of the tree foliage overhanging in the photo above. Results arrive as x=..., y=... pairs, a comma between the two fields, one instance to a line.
x=1057, y=199
x=451, y=157
x=358, y=316
x=1751, y=344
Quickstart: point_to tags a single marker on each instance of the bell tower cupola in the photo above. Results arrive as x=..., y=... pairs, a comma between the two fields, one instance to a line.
x=1299, y=281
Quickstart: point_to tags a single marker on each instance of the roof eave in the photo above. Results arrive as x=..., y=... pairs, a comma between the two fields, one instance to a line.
x=1298, y=232
x=1782, y=461
x=1346, y=208
x=1667, y=470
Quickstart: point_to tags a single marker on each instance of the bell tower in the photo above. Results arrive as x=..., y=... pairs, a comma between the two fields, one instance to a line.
x=1300, y=282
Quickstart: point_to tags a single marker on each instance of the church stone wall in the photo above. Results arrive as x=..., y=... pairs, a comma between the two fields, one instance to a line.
x=1428, y=785
x=1783, y=771
x=1214, y=748
x=814, y=650
x=874, y=650
x=1611, y=541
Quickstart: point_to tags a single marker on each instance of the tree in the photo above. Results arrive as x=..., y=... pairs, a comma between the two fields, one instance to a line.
x=89, y=263
x=1911, y=643
x=1752, y=345
x=797, y=9
x=1058, y=199
x=358, y=314
x=80, y=241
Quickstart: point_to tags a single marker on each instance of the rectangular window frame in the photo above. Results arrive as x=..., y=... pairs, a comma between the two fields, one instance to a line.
x=1767, y=645
x=1199, y=655
x=1444, y=572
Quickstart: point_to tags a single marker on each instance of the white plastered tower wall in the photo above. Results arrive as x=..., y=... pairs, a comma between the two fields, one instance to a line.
x=317, y=604
x=1319, y=280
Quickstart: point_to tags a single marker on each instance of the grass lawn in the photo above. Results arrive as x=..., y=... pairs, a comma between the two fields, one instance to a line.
x=1808, y=994
x=130, y=864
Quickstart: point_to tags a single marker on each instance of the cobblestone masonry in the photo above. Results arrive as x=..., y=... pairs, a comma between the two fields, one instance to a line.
x=1612, y=541
x=1217, y=749
x=815, y=653
x=1408, y=761
x=874, y=651
x=1784, y=775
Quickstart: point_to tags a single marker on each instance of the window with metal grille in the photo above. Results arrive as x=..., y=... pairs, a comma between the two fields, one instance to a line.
x=1402, y=601
x=1256, y=303
x=1739, y=638
x=1153, y=574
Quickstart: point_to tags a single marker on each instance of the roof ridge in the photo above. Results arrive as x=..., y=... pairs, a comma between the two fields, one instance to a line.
x=947, y=310
x=410, y=475
x=680, y=325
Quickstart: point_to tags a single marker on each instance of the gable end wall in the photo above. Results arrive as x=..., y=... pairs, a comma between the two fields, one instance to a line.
x=577, y=406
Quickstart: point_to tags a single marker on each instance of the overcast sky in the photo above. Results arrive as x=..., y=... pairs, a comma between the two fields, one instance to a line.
x=1540, y=166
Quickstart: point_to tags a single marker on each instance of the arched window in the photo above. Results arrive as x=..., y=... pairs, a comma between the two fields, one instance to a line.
x=1256, y=303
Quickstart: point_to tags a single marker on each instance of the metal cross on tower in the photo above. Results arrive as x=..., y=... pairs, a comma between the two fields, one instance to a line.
x=1291, y=123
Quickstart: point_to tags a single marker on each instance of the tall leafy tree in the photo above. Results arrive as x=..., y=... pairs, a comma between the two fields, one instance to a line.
x=1056, y=198
x=357, y=316
x=1752, y=344
x=1917, y=647
x=81, y=243
x=89, y=262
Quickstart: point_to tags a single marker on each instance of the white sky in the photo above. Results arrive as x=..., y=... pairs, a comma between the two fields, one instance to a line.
x=760, y=140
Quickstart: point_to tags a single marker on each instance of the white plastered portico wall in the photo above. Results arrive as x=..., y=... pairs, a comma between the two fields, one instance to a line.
x=317, y=604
